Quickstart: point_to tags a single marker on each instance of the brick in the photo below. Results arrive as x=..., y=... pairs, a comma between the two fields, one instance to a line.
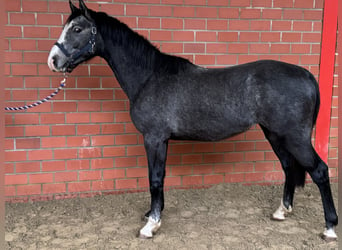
x=15, y=156
x=162, y=11
x=41, y=178
x=274, y=176
x=291, y=37
x=313, y=14
x=293, y=14
x=231, y=178
x=80, y=164
x=283, y=3
x=160, y=35
x=102, y=185
x=37, y=130
x=36, y=32
x=16, y=179
x=49, y=19
x=137, y=10
x=102, y=117
x=79, y=186
x=64, y=107
x=27, y=143
x=213, y=179
x=114, y=151
x=102, y=163
x=27, y=167
x=13, y=5
x=239, y=3
x=172, y=181
x=22, y=18
x=206, y=36
x=203, y=169
x=77, y=118
x=192, y=180
x=126, y=139
x=14, y=131
x=24, y=70
x=12, y=31
x=239, y=48
x=185, y=36
x=183, y=11
x=213, y=158
x=124, y=162
x=194, y=48
x=226, y=60
x=136, y=172
x=60, y=130
x=10, y=191
x=88, y=129
x=89, y=175
x=192, y=159
x=217, y=48
x=194, y=24
x=271, y=13
x=34, y=6
x=43, y=154
x=29, y=189
x=92, y=152
x=249, y=36
x=228, y=13
x=262, y=3
x=172, y=47
x=54, y=188
x=172, y=23
x=53, y=166
x=149, y=23
x=227, y=36
x=281, y=25
x=126, y=184
x=181, y=170
x=113, y=173
x=112, y=128
x=303, y=4
x=250, y=13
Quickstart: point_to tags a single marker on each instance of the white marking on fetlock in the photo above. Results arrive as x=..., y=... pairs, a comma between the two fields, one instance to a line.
x=329, y=234
x=280, y=213
x=151, y=227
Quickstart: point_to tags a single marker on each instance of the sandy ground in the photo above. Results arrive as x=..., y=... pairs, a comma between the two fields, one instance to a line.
x=227, y=216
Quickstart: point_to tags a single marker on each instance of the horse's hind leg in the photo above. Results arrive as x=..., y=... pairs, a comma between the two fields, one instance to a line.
x=307, y=157
x=294, y=174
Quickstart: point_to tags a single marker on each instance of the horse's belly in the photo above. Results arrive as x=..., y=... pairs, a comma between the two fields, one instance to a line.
x=209, y=130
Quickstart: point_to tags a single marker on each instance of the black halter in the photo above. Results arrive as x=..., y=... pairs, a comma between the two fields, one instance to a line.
x=89, y=47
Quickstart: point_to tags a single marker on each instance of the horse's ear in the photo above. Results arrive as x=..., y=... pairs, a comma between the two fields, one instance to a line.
x=73, y=8
x=84, y=9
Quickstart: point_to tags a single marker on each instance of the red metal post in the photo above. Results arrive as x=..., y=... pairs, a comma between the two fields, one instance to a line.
x=326, y=76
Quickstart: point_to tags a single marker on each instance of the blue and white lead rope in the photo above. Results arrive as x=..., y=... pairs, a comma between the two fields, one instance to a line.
x=46, y=99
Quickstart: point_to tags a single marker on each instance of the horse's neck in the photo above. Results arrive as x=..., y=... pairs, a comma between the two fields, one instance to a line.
x=130, y=74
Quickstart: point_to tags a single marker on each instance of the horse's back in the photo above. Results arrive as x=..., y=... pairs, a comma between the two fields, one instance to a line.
x=212, y=104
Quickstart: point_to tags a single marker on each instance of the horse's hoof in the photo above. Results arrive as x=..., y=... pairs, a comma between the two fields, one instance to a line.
x=329, y=235
x=143, y=237
x=275, y=218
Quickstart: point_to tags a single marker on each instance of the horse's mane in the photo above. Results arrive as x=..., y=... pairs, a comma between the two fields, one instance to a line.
x=139, y=48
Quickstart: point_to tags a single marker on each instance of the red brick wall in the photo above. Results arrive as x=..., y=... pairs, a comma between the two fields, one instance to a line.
x=83, y=142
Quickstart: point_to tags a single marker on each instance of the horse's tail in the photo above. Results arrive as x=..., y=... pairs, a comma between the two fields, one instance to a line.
x=318, y=101
x=298, y=174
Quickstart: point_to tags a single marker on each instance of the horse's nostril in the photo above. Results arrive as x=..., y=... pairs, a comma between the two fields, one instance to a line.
x=54, y=60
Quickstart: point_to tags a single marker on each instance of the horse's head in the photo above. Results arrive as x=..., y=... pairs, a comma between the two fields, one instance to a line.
x=77, y=43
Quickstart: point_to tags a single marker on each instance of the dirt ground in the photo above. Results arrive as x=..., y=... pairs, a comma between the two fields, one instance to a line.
x=227, y=216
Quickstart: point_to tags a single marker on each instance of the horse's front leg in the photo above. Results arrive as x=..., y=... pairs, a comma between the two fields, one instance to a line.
x=156, y=150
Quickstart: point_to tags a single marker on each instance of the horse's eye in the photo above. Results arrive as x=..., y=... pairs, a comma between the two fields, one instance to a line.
x=77, y=29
